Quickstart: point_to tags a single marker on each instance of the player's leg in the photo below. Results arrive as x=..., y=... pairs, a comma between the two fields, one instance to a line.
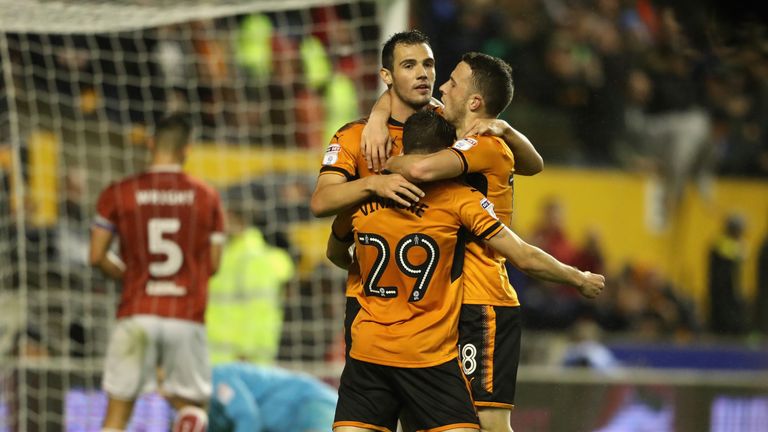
x=435, y=398
x=495, y=419
x=489, y=344
x=187, y=381
x=118, y=414
x=127, y=371
x=354, y=429
x=190, y=419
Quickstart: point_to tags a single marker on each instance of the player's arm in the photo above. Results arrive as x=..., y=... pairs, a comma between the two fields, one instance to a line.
x=217, y=249
x=375, y=140
x=419, y=168
x=539, y=264
x=340, y=240
x=333, y=193
x=337, y=252
x=100, y=255
x=217, y=237
x=528, y=161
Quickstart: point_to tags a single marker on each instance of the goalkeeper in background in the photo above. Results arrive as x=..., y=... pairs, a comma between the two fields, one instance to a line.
x=250, y=398
x=170, y=227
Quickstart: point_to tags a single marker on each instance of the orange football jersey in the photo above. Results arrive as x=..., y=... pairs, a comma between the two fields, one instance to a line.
x=489, y=166
x=411, y=268
x=345, y=157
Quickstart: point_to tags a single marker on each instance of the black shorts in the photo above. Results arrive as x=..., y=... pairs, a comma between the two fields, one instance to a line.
x=372, y=396
x=489, y=346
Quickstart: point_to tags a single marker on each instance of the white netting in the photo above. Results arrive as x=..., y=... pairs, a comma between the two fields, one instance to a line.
x=82, y=83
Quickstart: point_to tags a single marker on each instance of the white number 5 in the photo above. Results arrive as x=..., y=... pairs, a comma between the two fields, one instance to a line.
x=158, y=244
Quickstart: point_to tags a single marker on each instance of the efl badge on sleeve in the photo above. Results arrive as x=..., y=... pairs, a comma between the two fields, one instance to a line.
x=332, y=154
x=464, y=144
x=488, y=206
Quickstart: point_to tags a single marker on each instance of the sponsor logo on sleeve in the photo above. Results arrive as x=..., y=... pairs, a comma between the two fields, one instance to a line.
x=488, y=206
x=464, y=144
x=332, y=154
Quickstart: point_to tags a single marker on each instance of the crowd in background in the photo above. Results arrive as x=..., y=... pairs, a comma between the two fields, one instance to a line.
x=676, y=89
x=611, y=73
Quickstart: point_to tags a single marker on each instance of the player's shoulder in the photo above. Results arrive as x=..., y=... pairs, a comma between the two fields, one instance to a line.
x=450, y=190
x=201, y=185
x=351, y=129
x=127, y=182
x=470, y=142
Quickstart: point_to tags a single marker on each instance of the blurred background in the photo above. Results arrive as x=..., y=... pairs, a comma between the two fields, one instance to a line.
x=651, y=116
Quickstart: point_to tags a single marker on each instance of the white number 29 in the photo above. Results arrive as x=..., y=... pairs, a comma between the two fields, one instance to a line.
x=156, y=229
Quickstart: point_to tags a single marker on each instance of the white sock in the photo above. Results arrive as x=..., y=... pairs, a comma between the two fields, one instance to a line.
x=191, y=419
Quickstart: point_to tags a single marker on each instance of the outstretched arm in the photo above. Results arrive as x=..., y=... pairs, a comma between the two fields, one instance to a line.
x=333, y=193
x=539, y=264
x=528, y=161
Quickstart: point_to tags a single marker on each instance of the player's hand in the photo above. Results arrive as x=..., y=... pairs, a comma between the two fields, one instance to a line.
x=376, y=144
x=493, y=127
x=396, y=188
x=592, y=285
x=391, y=165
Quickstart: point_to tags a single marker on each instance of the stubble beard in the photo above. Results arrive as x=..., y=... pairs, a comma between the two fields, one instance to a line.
x=416, y=105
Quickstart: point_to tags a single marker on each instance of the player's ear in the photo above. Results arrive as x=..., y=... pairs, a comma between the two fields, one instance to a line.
x=475, y=102
x=386, y=76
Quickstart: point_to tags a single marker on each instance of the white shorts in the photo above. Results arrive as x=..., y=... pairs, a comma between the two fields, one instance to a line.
x=141, y=343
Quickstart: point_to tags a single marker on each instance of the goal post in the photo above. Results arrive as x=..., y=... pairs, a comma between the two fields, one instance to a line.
x=266, y=83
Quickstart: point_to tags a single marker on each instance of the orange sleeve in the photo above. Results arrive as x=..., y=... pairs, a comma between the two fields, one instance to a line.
x=343, y=152
x=478, y=154
x=477, y=214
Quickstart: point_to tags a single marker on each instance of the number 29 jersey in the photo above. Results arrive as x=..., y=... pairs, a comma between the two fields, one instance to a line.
x=411, y=274
x=165, y=221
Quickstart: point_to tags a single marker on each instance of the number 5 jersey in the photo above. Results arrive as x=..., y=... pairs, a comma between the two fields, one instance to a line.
x=165, y=221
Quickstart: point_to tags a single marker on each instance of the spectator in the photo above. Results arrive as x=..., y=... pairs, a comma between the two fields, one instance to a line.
x=727, y=308
x=761, y=303
x=550, y=235
x=587, y=351
x=245, y=310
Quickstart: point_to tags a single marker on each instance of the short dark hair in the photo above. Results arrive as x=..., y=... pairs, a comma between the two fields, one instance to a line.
x=427, y=132
x=492, y=77
x=410, y=37
x=172, y=133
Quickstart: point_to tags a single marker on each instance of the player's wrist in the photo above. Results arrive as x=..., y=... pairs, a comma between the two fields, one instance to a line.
x=369, y=185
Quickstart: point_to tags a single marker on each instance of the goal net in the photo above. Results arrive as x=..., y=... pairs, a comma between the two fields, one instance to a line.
x=265, y=82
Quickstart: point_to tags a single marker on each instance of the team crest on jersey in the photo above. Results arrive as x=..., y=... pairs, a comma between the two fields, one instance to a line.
x=332, y=154
x=488, y=206
x=464, y=144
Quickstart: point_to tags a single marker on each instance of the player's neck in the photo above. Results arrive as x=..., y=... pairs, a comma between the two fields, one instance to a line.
x=401, y=110
x=162, y=159
x=464, y=125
